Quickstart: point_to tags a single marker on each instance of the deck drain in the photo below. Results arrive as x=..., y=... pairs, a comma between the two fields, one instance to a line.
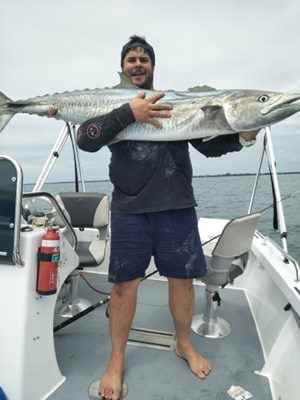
x=93, y=390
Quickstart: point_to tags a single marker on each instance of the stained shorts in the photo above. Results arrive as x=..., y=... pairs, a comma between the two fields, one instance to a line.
x=171, y=237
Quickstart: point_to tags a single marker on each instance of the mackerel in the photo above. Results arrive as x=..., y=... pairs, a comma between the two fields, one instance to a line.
x=195, y=114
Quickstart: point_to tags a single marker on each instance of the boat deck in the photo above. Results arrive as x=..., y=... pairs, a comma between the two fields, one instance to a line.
x=83, y=349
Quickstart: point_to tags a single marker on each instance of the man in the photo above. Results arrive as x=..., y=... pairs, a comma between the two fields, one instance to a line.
x=152, y=212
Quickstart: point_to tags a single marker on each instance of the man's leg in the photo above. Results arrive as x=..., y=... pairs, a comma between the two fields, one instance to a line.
x=181, y=302
x=122, y=307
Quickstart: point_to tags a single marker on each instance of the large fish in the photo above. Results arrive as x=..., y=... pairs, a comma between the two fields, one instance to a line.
x=195, y=114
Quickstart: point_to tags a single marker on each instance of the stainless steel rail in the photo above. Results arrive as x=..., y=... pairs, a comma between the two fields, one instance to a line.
x=49, y=197
x=272, y=163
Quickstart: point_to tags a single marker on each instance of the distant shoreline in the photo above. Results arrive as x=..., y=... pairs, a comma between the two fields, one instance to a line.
x=228, y=174
x=243, y=174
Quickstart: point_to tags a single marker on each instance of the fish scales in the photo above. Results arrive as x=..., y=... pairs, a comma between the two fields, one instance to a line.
x=194, y=115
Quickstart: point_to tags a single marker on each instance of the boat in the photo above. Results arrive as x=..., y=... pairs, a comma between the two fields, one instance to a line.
x=54, y=335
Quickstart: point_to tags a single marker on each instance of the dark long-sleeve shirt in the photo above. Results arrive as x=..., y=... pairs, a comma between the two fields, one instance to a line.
x=148, y=176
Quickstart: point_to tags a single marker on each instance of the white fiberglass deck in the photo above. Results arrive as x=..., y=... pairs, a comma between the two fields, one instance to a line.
x=83, y=348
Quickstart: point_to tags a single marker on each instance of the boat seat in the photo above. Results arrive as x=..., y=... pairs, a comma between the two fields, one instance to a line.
x=225, y=261
x=88, y=213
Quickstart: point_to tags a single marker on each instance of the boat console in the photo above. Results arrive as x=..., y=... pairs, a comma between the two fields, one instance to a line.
x=27, y=342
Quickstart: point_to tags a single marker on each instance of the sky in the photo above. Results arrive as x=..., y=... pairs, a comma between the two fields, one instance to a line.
x=58, y=45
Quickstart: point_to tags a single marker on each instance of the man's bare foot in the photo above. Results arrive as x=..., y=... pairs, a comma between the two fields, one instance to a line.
x=199, y=365
x=110, y=387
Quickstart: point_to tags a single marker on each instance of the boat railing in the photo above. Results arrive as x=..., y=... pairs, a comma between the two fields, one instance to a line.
x=71, y=236
x=12, y=211
x=14, y=214
x=55, y=152
x=287, y=258
x=269, y=151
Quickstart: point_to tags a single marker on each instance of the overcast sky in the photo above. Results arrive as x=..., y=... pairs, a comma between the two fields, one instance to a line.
x=58, y=45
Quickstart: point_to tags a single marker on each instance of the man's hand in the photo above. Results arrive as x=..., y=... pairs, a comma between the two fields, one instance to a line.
x=145, y=110
x=249, y=135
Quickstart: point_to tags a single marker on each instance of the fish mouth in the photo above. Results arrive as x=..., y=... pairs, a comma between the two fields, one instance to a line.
x=291, y=101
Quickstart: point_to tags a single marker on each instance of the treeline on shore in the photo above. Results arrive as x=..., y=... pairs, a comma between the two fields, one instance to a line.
x=194, y=176
x=243, y=174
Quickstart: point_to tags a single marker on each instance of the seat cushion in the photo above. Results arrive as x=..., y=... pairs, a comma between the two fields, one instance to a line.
x=91, y=254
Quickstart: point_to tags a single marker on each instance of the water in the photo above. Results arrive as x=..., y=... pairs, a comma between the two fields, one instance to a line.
x=229, y=197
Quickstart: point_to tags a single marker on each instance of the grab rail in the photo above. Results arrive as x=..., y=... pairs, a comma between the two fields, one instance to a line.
x=55, y=153
x=268, y=145
x=58, y=209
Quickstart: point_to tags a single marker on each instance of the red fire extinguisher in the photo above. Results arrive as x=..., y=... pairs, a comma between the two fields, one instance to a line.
x=48, y=263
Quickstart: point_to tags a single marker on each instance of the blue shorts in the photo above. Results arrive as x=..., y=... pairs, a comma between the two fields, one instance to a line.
x=171, y=237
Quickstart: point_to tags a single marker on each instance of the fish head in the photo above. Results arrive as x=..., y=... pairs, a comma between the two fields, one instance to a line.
x=253, y=109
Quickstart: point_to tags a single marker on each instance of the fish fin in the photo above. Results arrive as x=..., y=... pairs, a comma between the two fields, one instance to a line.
x=5, y=115
x=211, y=111
x=115, y=140
x=125, y=82
x=4, y=119
x=216, y=114
x=208, y=138
x=203, y=88
x=4, y=99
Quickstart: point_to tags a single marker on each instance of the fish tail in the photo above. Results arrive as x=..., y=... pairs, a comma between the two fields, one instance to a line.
x=5, y=113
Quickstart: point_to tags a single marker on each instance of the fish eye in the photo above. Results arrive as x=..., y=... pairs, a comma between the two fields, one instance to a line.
x=263, y=98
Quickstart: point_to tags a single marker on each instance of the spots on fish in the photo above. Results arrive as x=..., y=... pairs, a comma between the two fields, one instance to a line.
x=52, y=111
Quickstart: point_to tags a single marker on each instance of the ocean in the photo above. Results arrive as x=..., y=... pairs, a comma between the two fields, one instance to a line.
x=228, y=196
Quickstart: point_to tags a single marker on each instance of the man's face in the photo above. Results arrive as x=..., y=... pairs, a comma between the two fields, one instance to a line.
x=138, y=67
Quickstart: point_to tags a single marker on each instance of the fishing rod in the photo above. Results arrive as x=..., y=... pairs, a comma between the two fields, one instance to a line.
x=281, y=200
x=260, y=212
